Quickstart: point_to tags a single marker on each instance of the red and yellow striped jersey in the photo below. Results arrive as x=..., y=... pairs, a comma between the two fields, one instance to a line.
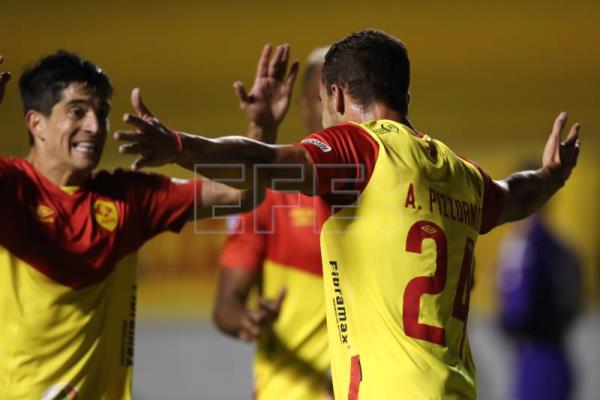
x=67, y=287
x=397, y=259
x=280, y=238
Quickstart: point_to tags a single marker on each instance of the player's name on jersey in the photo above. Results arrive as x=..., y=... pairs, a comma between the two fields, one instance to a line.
x=457, y=210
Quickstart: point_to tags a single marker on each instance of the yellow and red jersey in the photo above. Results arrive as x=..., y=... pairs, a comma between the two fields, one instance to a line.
x=280, y=239
x=67, y=285
x=405, y=214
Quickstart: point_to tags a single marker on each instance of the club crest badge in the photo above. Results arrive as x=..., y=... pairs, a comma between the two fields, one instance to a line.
x=302, y=216
x=106, y=214
x=45, y=214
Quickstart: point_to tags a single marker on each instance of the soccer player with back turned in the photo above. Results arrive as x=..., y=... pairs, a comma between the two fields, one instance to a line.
x=406, y=212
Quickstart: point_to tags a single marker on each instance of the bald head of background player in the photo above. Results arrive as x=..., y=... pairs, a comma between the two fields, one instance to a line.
x=309, y=103
x=365, y=83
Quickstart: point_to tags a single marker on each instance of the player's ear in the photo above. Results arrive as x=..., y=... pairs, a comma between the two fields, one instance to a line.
x=339, y=101
x=35, y=123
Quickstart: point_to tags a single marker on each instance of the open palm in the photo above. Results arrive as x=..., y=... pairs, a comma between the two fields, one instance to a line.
x=269, y=99
x=559, y=157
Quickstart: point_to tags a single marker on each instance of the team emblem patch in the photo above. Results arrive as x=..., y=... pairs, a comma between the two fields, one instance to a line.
x=45, y=214
x=61, y=391
x=106, y=214
x=302, y=216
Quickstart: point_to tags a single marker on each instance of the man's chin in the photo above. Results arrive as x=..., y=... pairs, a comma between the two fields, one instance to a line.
x=87, y=165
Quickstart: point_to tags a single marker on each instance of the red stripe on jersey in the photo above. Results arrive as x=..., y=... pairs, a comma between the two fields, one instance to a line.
x=355, y=377
x=76, y=240
x=494, y=200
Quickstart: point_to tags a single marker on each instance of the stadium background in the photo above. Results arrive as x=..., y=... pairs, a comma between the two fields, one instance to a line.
x=486, y=79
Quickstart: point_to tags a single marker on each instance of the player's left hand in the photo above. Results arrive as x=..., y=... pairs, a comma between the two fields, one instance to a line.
x=261, y=319
x=4, y=78
x=152, y=141
x=269, y=98
x=560, y=158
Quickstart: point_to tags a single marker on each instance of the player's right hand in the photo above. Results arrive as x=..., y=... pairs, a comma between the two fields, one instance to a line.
x=4, y=78
x=259, y=320
x=560, y=158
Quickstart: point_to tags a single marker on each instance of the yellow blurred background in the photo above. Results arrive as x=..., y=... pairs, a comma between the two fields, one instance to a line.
x=486, y=79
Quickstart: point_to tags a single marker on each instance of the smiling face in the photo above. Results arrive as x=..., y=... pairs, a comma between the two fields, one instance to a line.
x=74, y=133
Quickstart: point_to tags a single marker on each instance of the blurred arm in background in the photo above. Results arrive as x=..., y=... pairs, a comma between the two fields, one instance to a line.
x=243, y=255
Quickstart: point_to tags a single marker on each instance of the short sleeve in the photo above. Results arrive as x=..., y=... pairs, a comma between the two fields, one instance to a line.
x=165, y=204
x=245, y=248
x=344, y=157
x=494, y=201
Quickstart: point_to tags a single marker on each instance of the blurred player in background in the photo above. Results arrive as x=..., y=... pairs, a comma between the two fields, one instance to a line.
x=405, y=213
x=66, y=301
x=540, y=296
x=276, y=249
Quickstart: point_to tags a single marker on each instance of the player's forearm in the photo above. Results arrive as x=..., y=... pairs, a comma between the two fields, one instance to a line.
x=265, y=134
x=528, y=191
x=231, y=157
x=228, y=316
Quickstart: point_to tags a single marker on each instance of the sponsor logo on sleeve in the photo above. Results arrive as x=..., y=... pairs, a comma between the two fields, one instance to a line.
x=323, y=146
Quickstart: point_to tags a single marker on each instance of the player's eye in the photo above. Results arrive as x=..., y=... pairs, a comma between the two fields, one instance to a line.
x=77, y=112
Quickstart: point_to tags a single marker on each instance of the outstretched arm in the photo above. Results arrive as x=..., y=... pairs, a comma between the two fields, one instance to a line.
x=232, y=157
x=527, y=191
x=216, y=198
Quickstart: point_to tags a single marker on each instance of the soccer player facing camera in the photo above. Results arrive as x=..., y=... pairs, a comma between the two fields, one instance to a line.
x=405, y=214
x=67, y=300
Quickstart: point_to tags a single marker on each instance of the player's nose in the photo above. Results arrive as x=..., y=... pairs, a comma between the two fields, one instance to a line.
x=93, y=124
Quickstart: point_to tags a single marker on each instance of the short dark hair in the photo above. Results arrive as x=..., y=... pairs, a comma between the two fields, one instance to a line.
x=41, y=84
x=372, y=66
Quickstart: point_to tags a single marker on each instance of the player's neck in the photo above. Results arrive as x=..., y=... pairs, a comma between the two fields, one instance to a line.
x=55, y=171
x=378, y=111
